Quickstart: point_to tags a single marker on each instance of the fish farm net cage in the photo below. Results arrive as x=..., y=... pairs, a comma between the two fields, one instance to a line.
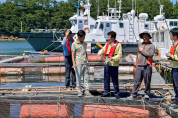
x=76, y=107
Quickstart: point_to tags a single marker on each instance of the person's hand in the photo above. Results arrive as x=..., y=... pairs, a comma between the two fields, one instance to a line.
x=110, y=58
x=74, y=65
x=67, y=33
x=169, y=55
x=140, y=49
x=98, y=55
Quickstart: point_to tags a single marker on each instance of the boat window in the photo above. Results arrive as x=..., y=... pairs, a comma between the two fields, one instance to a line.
x=101, y=26
x=96, y=25
x=146, y=26
x=85, y=22
x=107, y=24
x=171, y=23
x=80, y=21
x=121, y=25
x=74, y=22
x=91, y=26
x=162, y=36
x=157, y=37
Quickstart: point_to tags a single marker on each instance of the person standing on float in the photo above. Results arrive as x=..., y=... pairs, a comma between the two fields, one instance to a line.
x=112, y=53
x=143, y=66
x=173, y=56
x=66, y=45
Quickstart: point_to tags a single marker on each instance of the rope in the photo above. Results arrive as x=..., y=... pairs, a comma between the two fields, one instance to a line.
x=56, y=48
x=48, y=46
x=129, y=113
x=97, y=107
x=51, y=44
x=108, y=107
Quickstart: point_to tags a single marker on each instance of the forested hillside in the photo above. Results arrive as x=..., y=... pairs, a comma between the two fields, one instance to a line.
x=38, y=14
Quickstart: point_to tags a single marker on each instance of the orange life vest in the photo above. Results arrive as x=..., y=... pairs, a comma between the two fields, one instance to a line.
x=68, y=46
x=112, y=50
x=173, y=47
x=149, y=60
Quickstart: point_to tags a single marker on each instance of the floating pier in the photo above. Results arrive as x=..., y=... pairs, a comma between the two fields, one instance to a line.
x=32, y=97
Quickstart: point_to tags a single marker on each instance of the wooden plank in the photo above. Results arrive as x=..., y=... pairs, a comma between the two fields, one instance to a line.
x=25, y=92
x=91, y=86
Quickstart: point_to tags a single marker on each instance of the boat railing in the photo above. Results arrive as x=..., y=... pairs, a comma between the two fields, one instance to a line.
x=47, y=30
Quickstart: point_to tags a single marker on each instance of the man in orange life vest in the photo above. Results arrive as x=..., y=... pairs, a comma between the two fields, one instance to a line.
x=66, y=44
x=143, y=66
x=112, y=52
x=173, y=55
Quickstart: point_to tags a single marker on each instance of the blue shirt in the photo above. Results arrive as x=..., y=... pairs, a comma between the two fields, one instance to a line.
x=64, y=46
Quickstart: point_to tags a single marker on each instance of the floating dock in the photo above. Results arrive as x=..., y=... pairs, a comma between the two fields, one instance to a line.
x=31, y=99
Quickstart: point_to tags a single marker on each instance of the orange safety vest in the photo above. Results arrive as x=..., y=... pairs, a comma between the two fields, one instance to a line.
x=149, y=61
x=68, y=46
x=112, y=50
x=173, y=47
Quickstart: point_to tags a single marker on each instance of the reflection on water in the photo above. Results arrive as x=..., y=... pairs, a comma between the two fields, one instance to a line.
x=38, y=79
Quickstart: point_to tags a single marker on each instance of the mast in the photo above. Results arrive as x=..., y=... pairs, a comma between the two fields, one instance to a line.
x=120, y=7
x=132, y=5
x=98, y=9
x=135, y=4
x=108, y=7
x=78, y=9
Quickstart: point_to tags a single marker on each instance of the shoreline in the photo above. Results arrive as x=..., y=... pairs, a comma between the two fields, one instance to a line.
x=11, y=39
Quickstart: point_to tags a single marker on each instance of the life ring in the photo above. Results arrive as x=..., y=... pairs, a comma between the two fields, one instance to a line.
x=163, y=27
x=87, y=29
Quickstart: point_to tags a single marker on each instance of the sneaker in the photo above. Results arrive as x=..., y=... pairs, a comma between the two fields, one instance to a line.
x=88, y=95
x=117, y=97
x=146, y=97
x=80, y=94
x=131, y=98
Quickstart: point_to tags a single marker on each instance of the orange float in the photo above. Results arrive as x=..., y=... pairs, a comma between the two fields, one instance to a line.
x=108, y=111
x=94, y=58
x=54, y=59
x=43, y=110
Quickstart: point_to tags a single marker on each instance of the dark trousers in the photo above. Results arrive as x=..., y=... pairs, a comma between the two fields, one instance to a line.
x=111, y=71
x=140, y=73
x=68, y=64
x=175, y=82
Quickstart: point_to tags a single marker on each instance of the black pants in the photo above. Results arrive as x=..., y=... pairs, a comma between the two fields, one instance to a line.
x=142, y=72
x=111, y=71
x=68, y=64
x=175, y=82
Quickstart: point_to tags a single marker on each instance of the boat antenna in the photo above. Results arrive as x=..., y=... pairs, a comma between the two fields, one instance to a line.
x=135, y=5
x=132, y=5
x=115, y=3
x=21, y=26
x=120, y=7
x=98, y=9
x=108, y=7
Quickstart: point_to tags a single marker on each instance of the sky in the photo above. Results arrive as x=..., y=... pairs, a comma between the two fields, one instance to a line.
x=174, y=1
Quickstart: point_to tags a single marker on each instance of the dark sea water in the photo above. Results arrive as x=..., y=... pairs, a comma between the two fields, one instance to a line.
x=14, y=47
